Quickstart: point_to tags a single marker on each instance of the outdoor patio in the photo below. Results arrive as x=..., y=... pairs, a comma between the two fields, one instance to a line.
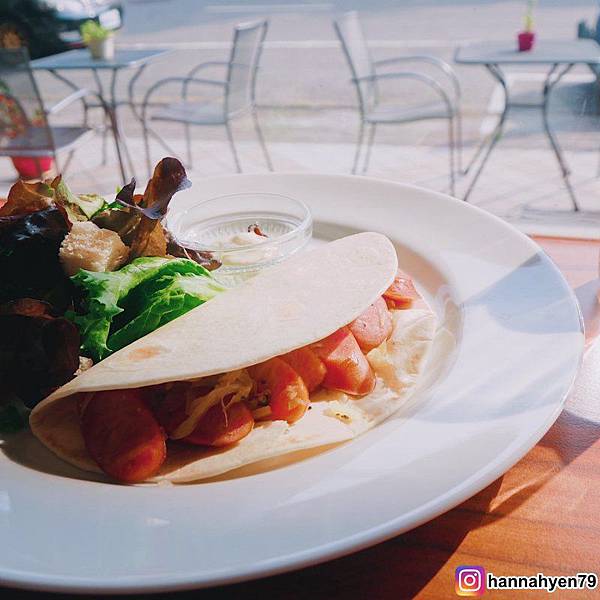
x=306, y=106
x=521, y=183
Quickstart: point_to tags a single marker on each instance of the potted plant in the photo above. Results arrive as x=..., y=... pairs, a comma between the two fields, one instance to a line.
x=99, y=40
x=29, y=167
x=526, y=38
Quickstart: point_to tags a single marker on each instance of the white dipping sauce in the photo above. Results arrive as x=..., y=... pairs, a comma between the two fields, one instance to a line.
x=253, y=254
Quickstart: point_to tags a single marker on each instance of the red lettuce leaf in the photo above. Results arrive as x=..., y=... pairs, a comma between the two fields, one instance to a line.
x=29, y=262
x=39, y=351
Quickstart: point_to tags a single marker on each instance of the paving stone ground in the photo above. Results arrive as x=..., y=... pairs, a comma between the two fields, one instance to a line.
x=522, y=185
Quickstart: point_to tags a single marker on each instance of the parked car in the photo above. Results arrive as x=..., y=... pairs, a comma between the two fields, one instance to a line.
x=51, y=26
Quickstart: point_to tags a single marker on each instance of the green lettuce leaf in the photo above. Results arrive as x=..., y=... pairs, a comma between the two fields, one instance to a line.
x=122, y=306
x=171, y=296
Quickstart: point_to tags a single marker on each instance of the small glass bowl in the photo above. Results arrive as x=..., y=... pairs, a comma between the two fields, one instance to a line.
x=221, y=224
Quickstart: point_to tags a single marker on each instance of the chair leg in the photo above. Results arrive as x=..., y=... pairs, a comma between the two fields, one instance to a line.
x=147, y=148
x=59, y=171
x=188, y=143
x=85, y=114
x=359, y=142
x=261, y=139
x=459, y=139
x=105, y=142
x=150, y=132
x=68, y=162
x=233, y=149
x=451, y=149
x=369, y=146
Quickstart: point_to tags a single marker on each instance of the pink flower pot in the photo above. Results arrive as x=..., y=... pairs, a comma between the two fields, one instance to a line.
x=526, y=40
x=30, y=168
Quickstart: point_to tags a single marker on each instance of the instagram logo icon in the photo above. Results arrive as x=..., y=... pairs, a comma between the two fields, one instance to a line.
x=469, y=581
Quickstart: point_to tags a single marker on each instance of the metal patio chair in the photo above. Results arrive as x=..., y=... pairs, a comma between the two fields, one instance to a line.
x=237, y=96
x=24, y=127
x=366, y=75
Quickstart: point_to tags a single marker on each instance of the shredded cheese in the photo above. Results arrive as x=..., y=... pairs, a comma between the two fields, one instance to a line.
x=230, y=388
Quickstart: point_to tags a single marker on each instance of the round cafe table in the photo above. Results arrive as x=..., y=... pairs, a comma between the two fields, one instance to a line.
x=558, y=57
x=62, y=65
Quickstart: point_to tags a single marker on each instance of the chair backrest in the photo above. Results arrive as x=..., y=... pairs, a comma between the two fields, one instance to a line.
x=243, y=65
x=356, y=51
x=23, y=122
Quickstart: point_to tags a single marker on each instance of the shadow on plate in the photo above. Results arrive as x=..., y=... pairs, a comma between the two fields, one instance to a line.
x=26, y=450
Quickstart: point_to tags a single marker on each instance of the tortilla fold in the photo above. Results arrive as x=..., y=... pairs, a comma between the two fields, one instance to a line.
x=296, y=303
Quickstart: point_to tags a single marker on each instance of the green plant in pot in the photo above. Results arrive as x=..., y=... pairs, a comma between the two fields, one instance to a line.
x=526, y=38
x=99, y=40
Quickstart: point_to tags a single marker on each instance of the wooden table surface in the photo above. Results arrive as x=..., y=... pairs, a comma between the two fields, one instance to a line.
x=541, y=516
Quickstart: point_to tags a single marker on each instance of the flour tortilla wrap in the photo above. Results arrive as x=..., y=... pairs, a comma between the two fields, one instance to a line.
x=296, y=303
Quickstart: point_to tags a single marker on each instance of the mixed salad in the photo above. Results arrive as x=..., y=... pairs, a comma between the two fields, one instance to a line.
x=84, y=277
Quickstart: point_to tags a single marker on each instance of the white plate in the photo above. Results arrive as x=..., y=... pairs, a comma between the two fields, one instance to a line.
x=505, y=357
